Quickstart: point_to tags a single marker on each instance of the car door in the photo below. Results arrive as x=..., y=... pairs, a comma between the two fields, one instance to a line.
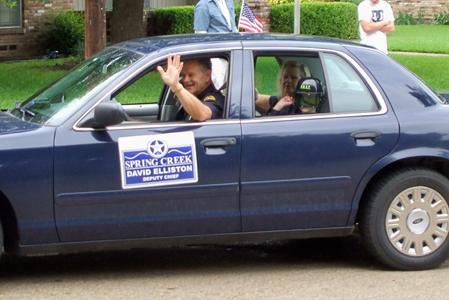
x=148, y=179
x=301, y=171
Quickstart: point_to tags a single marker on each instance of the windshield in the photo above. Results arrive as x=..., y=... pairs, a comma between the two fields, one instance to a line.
x=69, y=89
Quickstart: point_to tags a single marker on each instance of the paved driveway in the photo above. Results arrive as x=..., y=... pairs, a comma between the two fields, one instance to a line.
x=314, y=269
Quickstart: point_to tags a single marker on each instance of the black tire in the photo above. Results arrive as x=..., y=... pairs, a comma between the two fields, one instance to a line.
x=1, y=239
x=414, y=204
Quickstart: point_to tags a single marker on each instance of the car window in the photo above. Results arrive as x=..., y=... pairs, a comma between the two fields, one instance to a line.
x=324, y=83
x=147, y=89
x=66, y=94
x=149, y=99
x=346, y=89
x=284, y=85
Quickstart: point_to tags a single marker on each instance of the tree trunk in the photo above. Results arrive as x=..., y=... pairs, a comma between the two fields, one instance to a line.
x=127, y=20
x=95, y=32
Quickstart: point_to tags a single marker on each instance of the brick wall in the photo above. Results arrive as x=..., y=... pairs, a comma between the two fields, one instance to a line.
x=431, y=7
x=21, y=42
x=262, y=9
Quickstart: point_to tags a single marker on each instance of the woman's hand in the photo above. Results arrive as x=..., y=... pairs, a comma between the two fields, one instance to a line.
x=284, y=102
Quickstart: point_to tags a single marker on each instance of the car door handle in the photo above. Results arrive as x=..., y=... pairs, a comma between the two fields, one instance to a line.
x=363, y=134
x=216, y=146
x=365, y=137
x=218, y=142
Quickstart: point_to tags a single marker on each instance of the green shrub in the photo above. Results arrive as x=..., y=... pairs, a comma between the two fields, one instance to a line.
x=8, y=3
x=179, y=19
x=356, y=2
x=405, y=19
x=441, y=18
x=62, y=32
x=332, y=19
x=237, y=9
x=281, y=18
x=173, y=20
x=421, y=13
x=78, y=50
x=276, y=2
x=408, y=19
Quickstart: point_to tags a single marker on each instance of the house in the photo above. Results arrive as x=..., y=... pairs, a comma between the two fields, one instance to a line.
x=19, y=26
x=147, y=4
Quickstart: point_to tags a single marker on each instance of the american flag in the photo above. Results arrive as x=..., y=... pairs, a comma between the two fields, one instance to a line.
x=249, y=21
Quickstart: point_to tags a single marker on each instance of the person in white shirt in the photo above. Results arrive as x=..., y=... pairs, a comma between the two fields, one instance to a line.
x=376, y=19
x=212, y=16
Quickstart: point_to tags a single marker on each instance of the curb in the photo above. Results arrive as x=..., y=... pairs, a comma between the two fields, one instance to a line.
x=418, y=53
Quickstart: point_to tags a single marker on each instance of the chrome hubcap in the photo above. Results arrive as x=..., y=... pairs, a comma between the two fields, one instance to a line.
x=417, y=221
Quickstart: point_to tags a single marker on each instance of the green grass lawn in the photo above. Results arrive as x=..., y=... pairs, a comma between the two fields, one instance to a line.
x=420, y=38
x=20, y=80
x=434, y=70
x=267, y=69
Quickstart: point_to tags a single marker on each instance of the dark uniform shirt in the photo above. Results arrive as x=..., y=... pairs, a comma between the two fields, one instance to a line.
x=210, y=97
x=214, y=100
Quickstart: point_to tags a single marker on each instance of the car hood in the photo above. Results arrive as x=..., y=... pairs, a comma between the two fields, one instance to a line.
x=11, y=124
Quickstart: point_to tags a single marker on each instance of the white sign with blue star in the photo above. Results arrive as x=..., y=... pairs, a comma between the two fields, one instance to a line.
x=158, y=160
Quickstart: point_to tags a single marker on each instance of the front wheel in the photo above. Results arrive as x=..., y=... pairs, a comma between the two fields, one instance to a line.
x=405, y=220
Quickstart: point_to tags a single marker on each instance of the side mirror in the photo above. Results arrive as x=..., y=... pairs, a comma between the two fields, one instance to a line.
x=107, y=114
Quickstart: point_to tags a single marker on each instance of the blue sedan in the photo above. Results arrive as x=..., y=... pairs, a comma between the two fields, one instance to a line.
x=99, y=159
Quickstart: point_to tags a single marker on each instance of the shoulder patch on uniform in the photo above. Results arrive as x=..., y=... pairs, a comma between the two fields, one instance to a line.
x=210, y=98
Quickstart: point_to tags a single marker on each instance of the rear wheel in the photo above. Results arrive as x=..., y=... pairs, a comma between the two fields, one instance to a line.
x=405, y=221
x=1, y=239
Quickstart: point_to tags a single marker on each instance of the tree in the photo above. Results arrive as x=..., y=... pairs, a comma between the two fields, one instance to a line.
x=95, y=32
x=127, y=20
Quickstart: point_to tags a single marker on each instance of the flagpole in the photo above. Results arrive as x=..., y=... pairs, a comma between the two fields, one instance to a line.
x=240, y=16
x=297, y=17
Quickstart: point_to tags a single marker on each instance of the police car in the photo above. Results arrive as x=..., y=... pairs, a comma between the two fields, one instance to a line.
x=97, y=161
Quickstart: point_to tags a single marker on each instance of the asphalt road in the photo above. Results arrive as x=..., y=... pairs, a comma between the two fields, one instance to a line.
x=308, y=269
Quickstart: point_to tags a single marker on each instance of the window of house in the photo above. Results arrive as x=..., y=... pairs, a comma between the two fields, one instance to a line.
x=11, y=17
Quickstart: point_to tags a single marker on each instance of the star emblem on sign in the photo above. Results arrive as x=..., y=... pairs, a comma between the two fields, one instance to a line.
x=157, y=148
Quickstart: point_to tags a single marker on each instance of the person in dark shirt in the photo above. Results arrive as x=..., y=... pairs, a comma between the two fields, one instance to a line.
x=196, y=92
x=289, y=75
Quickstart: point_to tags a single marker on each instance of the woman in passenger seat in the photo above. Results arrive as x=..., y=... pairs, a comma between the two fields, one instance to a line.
x=283, y=104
